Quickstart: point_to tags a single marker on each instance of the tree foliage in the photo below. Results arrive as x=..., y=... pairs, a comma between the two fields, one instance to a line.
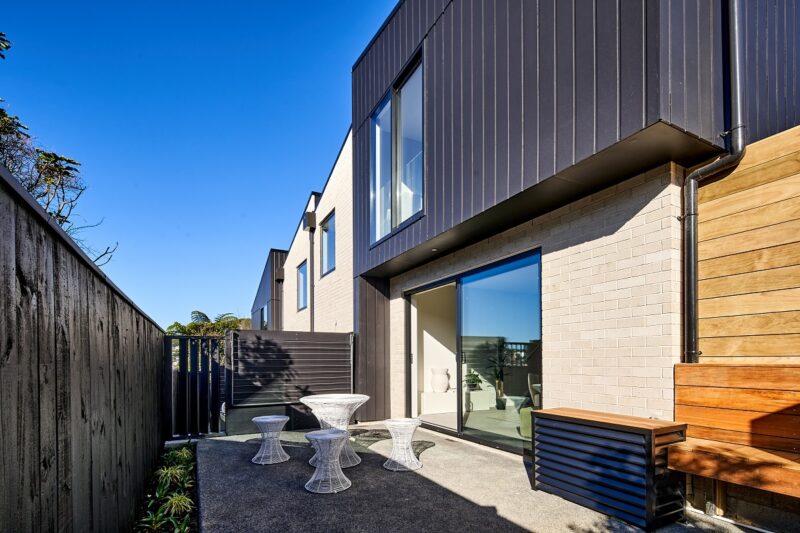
x=5, y=44
x=202, y=325
x=53, y=180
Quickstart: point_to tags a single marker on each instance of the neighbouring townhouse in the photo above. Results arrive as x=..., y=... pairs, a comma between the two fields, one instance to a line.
x=267, y=310
x=307, y=287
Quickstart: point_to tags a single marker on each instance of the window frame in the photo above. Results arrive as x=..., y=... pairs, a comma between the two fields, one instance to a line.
x=322, y=226
x=397, y=104
x=392, y=96
x=304, y=266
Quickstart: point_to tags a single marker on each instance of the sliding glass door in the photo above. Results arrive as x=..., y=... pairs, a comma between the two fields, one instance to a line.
x=501, y=350
x=479, y=334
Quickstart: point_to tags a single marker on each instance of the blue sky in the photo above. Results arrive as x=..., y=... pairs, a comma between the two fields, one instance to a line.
x=201, y=126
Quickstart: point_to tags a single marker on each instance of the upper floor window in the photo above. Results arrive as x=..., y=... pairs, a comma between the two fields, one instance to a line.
x=397, y=159
x=302, y=286
x=328, y=229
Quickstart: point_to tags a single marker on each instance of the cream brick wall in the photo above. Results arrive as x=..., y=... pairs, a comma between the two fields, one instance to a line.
x=611, y=294
x=333, y=293
x=294, y=319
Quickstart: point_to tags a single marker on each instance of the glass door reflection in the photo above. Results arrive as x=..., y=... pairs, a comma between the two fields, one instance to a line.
x=500, y=347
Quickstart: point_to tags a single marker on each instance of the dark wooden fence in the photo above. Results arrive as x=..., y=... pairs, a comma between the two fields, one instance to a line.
x=267, y=372
x=193, y=386
x=80, y=382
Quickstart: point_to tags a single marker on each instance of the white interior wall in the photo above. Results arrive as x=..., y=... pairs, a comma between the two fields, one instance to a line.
x=435, y=339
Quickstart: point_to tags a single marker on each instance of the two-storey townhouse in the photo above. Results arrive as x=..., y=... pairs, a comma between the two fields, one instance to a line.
x=520, y=227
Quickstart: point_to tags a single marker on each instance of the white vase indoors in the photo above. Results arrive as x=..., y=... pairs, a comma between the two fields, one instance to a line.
x=440, y=381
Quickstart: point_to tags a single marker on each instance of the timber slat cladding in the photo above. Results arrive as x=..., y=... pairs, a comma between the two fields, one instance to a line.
x=79, y=383
x=772, y=377
x=754, y=405
x=749, y=250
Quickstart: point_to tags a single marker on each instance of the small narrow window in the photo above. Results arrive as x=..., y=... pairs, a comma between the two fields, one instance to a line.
x=265, y=317
x=302, y=286
x=328, y=227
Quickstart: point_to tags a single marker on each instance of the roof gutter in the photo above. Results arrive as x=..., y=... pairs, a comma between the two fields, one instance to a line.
x=736, y=149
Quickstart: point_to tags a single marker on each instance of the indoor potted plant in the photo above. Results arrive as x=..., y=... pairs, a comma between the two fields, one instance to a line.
x=473, y=380
x=498, y=363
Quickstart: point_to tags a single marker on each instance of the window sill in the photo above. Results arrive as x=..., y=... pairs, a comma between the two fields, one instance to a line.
x=406, y=223
x=326, y=273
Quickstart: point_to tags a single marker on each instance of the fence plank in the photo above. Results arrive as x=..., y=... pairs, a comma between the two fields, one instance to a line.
x=166, y=392
x=13, y=508
x=181, y=410
x=81, y=406
x=194, y=358
x=27, y=478
x=203, y=385
x=64, y=333
x=215, y=386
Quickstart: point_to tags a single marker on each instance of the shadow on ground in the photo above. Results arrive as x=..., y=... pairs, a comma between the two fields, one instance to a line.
x=236, y=495
x=462, y=487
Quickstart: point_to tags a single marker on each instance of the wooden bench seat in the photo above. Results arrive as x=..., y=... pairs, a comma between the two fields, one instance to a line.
x=743, y=424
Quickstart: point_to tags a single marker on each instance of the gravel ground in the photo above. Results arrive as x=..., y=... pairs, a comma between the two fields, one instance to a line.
x=461, y=487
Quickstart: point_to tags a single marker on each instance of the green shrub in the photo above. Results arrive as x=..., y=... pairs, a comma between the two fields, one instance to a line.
x=177, y=503
x=153, y=521
x=169, y=506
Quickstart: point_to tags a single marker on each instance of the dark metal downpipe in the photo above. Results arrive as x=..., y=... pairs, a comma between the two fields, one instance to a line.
x=736, y=149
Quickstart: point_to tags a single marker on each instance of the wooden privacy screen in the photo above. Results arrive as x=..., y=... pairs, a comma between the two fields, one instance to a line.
x=80, y=376
x=749, y=257
x=271, y=368
x=750, y=405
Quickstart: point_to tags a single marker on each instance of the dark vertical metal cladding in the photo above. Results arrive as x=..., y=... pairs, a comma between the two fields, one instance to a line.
x=632, y=74
x=515, y=94
x=530, y=92
x=584, y=81
x=772, y=67
x=466, y=111
x=478, y=94
x=677, y=58
x=372, y=347
x=607, y=51
x=530, y=88
x=489, y=92
x=270, y=292
x=502, y=86
x=565, y=83
x=445, y=108
x=457, y=112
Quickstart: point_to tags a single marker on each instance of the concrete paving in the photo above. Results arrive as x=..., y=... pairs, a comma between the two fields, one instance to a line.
x=461, y=487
